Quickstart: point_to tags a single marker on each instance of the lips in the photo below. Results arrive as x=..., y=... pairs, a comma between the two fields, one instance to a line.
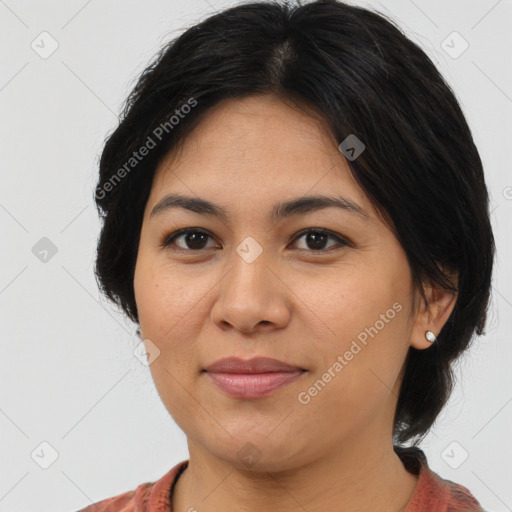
x=255, y=365
x=255, y=378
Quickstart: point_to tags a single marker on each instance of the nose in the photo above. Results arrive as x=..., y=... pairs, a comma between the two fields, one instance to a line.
x=251, y=297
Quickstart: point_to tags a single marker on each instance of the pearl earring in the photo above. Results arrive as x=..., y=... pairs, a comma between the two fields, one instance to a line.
x=430, y=336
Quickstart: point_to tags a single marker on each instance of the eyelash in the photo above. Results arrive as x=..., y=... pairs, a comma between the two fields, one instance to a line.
x=170, y=238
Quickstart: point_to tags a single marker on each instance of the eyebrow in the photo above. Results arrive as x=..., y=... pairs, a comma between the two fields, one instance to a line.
x=297, y=206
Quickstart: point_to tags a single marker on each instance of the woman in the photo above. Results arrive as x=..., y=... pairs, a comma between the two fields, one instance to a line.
x=295, y=216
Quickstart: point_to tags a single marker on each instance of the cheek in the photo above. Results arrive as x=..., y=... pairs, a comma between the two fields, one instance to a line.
x=147, y=296
x=160, y=295
x=349, y=300
x=357, y=378
x=170, y=309
x=365, y=320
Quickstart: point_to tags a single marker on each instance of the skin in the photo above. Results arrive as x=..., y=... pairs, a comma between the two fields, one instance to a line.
x=290, y=303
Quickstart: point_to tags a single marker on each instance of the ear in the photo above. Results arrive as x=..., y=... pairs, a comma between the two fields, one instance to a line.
x=441, y=303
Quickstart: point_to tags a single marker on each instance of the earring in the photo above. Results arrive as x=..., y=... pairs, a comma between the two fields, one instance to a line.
x=430, y=336
x=138, y=332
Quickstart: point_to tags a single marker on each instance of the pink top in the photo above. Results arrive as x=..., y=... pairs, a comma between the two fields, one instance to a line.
x=432, y=494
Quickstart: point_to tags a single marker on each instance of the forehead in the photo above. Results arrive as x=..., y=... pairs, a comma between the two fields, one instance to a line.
x=256, y=150
x=236, y=131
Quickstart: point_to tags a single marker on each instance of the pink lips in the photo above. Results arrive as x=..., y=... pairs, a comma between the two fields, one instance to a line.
x=254, y=378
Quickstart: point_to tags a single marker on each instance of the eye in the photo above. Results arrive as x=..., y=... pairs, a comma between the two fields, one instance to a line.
x=317, y=238
x=193, y=239
x=192, y=236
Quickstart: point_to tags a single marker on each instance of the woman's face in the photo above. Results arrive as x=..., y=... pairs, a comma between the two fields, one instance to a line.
x=254, y=286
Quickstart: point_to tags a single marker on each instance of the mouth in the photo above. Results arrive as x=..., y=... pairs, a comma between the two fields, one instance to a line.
x=254, y=365
x=253, y=385
x=252, y=378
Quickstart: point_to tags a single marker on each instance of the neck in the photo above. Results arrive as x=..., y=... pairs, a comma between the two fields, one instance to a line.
x=360, y=476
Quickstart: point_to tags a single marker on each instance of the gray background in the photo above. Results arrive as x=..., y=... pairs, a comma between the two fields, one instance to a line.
x=68, y=375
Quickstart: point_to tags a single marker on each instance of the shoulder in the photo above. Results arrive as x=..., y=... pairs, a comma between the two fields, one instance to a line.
x=147, y=497
x=125, y=502
x=458, y=498
x=434, y=492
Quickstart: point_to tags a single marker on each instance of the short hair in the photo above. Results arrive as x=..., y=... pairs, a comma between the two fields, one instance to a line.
x=359, y=72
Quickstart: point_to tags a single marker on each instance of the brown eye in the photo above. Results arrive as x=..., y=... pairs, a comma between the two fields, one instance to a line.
x=192, y=239
x=317, y=238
